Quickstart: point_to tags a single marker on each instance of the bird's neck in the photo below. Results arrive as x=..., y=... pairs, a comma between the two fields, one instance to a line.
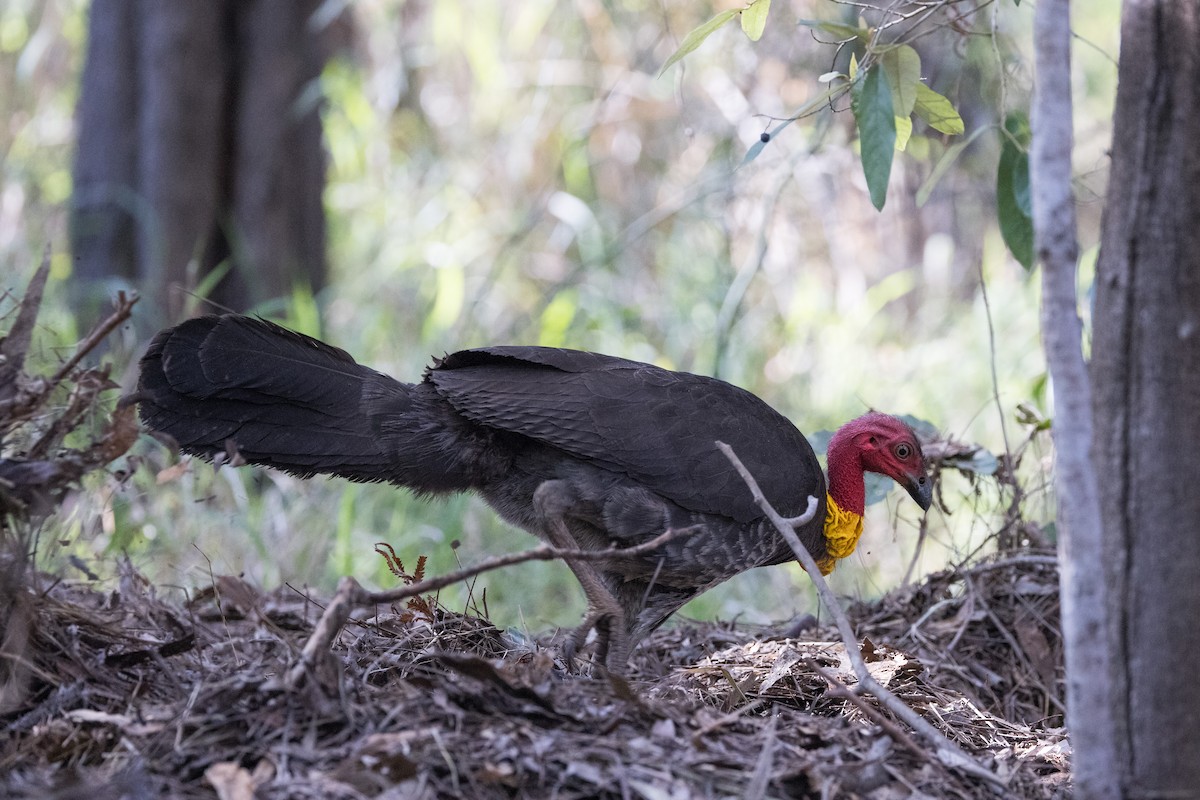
x=846, y=477
x=844, y=507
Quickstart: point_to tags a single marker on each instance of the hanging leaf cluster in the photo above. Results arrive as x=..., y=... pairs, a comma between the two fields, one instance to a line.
x=754, y=22
x=886, y=95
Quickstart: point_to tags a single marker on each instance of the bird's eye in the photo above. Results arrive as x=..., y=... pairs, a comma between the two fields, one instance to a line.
x=903, y=451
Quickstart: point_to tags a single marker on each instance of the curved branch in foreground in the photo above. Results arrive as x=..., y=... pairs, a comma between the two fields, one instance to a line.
x=946, y=751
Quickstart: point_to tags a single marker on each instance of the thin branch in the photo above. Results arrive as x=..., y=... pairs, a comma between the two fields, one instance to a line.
x=1029, y=559
x=732, y=716
x=756, y=789
x=542, y=553
x=124, y=307
x=987, y=310
x=351, y=595
x=947, y=752
x=843, y=691
x=15, y=344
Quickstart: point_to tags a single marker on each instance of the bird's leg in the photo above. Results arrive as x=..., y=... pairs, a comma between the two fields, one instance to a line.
x=553, y=500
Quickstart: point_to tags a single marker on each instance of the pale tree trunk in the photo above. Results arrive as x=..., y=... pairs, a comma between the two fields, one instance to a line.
x=1146, y=376
x=1090, y=659
x=200, y=143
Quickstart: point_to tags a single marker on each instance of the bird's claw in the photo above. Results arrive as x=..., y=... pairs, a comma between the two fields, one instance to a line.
x=604, y=623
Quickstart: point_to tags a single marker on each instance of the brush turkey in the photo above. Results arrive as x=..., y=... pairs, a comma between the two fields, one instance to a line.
x=582, y=450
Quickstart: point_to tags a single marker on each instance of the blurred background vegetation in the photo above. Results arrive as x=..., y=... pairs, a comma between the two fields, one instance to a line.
x=518, y=171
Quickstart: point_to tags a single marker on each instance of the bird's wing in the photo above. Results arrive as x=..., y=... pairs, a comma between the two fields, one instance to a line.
x=654, y=425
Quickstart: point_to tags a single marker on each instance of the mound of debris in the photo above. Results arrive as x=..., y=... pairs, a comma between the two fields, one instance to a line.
x=127, y=695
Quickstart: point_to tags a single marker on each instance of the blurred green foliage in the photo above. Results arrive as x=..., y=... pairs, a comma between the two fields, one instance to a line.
x=517, y=171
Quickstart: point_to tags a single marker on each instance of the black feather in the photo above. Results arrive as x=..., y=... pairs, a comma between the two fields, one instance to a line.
x=631, y=445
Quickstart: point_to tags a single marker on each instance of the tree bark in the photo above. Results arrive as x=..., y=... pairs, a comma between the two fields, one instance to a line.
x=1146, y=373
x=1090, y=658
x=199, y=142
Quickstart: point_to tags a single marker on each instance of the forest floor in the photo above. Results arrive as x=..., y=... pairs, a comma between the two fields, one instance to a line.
x=121, y=694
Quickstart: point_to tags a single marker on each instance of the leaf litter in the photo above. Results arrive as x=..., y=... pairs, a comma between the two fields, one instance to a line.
x=136, y=695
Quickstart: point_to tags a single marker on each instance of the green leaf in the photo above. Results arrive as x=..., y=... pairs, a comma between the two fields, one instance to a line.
x=1012, y=173
x=756, y=148
x=697, y=37
x=876, y=488
x=903, y=132
x=943, y=166
x=838, y=29
x=807, y=108
x=981, y=462
x=902, y=66
x=1016, y=126
x=754, y=19
x=937, y=111
x=1020, y=187
x=872, y=107
x=923, y=428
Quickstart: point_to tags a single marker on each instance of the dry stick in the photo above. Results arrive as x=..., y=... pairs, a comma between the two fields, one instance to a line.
x=843, y=691
x=351, y=595
x=542, y=553
x=761, y=777
x=1027, y=559
x=732, y=716
x=124, y=307
x=948, y=753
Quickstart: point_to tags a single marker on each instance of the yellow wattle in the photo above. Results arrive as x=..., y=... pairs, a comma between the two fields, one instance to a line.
x=842, y=531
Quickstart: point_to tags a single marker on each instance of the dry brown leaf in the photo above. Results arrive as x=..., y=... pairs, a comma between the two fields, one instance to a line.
x=234, y=782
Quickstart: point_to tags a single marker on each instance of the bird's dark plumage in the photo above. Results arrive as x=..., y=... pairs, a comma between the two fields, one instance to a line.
x=578, y=448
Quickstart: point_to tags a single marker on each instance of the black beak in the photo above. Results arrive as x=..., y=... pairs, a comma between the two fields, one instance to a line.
x=920, y=489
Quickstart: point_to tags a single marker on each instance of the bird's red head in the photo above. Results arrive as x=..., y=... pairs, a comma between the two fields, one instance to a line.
x=876, y=443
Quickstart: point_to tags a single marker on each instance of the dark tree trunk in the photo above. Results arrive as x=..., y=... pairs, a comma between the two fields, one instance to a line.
x=1146, y=377
x=199, y=144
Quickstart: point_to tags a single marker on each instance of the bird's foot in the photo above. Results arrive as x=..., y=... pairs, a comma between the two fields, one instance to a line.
x=554, y=500
x=612, y=643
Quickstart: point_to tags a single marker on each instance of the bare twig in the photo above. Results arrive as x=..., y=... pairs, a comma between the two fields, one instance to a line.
x=543, y=553
x=348, y=596
x=922, y=532
x=947, y=752
x=745, y=276
x=839, y=689
x=15, y=344
x=124, y=307
x=351, y=595
x=987, y=309
x=1030, y=559
x=732, y=716
x=757, y=788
